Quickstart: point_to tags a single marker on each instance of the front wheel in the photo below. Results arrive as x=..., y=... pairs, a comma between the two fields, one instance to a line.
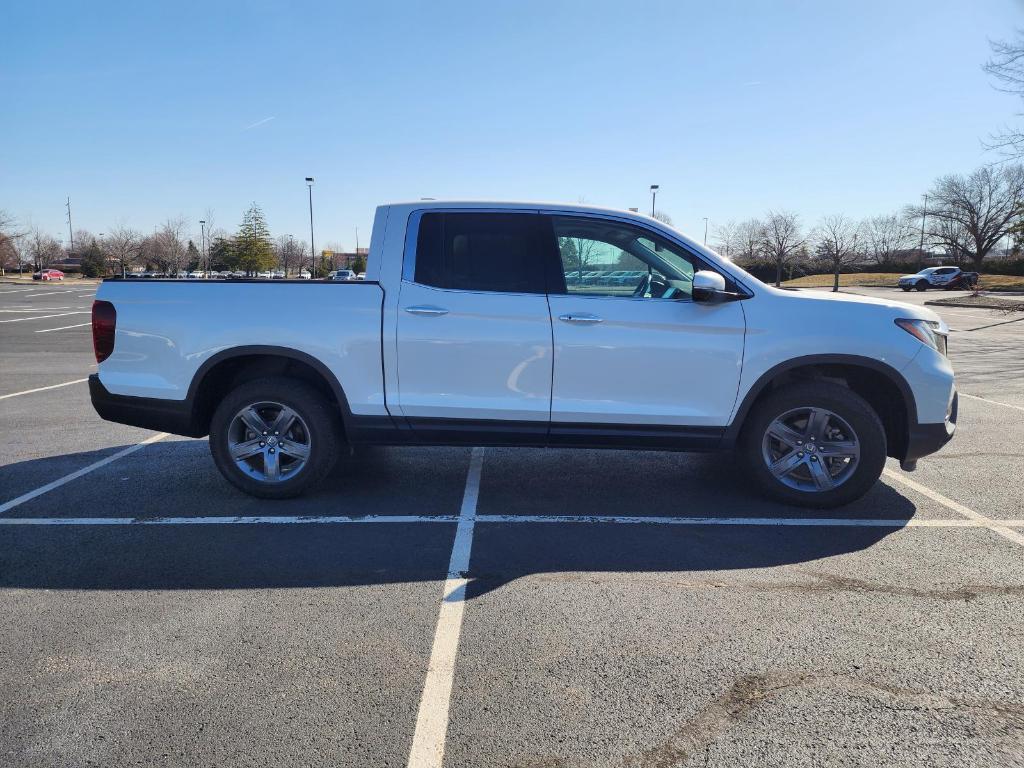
x=274, y=438
x=814, y=444
x=921, y=285
x=905, y=288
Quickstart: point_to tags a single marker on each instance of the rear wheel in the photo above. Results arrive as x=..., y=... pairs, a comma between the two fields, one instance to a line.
x=274, y=437
x=814, y=444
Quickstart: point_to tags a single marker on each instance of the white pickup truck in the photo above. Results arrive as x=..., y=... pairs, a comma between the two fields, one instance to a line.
x=500, y=324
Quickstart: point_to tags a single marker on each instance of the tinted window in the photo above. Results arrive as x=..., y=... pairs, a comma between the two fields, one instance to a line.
x=479, y=252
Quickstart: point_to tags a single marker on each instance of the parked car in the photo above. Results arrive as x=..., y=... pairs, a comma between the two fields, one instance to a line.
x=361, y=276
x=465, y=333
x=48, y=274
x=948, y=278
x=344, y=274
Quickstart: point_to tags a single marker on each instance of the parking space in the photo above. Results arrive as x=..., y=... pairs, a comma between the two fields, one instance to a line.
x=500, y=607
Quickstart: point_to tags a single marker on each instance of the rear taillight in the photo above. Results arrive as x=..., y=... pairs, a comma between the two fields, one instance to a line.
x=104, y=321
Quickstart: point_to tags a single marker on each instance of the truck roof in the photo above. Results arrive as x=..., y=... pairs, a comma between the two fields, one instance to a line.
x=418, y=205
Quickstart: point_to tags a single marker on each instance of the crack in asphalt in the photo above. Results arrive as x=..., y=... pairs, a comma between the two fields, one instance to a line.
x=750, y=691
x=824, y=583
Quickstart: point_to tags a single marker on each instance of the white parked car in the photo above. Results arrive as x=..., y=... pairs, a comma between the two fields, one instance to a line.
x=466, y=332
x=343, y=274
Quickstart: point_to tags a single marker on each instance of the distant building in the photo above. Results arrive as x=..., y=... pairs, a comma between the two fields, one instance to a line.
x=345, y=259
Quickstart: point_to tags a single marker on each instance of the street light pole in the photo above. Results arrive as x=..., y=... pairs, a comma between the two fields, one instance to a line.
x=202, y=244
x=924, y=214
x=654, y=194
x=705, y=230
x=312, y=247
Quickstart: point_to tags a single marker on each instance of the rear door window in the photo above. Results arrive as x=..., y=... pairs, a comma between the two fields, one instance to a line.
x=496, y=252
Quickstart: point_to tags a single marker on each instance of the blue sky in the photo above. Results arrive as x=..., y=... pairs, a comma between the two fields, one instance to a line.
x=139, y=111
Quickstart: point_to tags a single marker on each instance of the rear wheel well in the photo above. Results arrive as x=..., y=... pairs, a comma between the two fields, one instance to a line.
x=881, y=393
x=228, y=374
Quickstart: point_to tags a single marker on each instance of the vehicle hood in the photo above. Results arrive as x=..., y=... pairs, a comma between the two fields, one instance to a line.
x=852, y=301
x=916, y=274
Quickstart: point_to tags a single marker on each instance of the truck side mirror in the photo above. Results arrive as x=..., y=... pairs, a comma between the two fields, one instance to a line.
x=708, y=286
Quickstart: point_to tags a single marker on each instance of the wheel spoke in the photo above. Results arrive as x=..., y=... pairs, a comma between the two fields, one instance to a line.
x=272, y=465
x=295, y=450
x=244, y=450
x=284, y=421
x=820, y=474
x=817, y=420
x=786, y=464
x=254, y=421
x=838, y=449
x=785, y=434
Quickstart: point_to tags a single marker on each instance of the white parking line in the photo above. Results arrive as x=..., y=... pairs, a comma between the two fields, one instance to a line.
x=995, y=526
x=587, y=519
x=42, y=317
x=43, y=389
x=83, y=471
x=428, y=740
x=63, y=328
x=26, y=310
x=248, y=520
x=994, y=402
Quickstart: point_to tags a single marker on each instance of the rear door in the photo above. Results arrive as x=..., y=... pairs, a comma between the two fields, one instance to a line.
x=637, y=351
x=473, y=328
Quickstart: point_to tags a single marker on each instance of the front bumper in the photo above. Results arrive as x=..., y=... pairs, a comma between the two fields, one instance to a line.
x=924, y=439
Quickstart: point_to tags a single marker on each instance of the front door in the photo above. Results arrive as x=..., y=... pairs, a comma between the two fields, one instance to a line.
x=474, y=333
x=631, y=346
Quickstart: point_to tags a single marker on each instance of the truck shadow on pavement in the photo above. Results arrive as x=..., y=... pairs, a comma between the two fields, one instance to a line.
x=176, y=479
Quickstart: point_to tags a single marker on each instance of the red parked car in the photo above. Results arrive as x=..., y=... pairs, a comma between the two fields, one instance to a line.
x=48, y=274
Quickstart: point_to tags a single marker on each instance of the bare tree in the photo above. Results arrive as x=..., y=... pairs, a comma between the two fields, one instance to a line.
x=782, y=240
x=291, y=254
x=42, y=249
x=886, y=237
x=726, y=238
x=1007, y=68
x=974, y=212
x=168, y=247
x=749, y=241
x=10, y=255
x=123, y=246
x=663, y=217
x=835, y=245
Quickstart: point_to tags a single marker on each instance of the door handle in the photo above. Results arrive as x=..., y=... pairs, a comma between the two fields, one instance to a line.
x=426, y=310
x=584, y=318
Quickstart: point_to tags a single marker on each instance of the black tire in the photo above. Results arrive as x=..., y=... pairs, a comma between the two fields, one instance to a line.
x=905, y=288
x=841, y=401
x=921, y=285
x=317, y=419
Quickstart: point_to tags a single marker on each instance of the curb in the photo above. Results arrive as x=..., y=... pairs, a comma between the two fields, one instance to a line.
x=975, y=305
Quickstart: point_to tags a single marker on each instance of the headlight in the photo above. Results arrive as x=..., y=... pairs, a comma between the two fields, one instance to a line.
x=925, y=331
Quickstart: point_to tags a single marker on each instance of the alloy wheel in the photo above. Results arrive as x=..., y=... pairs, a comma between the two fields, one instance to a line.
x=269, y=441
x=810, y=449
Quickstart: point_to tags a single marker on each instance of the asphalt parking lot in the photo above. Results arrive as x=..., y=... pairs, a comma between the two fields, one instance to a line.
x=498, y=607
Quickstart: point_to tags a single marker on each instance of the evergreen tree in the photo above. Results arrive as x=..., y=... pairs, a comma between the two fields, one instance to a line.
x=222, y=254
x=192, y=257
x=93, y=262
x=253, y=250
